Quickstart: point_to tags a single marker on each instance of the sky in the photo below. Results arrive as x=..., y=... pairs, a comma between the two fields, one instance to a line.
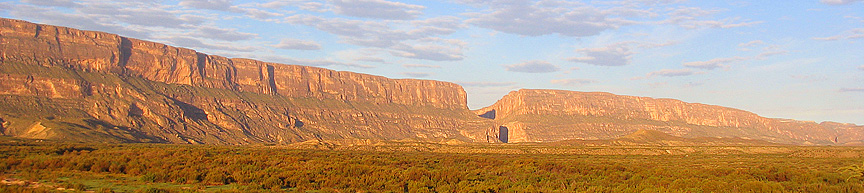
x=799, y=60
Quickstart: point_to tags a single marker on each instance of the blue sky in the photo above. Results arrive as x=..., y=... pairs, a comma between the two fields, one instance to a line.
x=781, y=59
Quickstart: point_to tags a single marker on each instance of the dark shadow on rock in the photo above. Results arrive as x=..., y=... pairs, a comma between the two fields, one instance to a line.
x=503, y=133
x=489, y=114
x=190, y=111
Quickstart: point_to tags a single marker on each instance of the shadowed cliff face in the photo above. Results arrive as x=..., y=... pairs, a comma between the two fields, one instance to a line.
x=554, y=115
x=63, y=83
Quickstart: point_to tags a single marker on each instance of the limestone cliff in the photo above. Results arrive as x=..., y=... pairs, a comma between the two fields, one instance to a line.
x=80, y=85
x=89, y=51
x=554, y=115
x=74, y=85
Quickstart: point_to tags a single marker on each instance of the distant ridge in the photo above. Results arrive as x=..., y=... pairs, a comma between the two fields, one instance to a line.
x=644, y=137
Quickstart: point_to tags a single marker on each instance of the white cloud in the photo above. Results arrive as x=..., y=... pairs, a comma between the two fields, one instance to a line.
x=377, y=9
x=689, y=17
x=861, y=67
x=840, y=2
x=311, y=62
x=417, y=74
x=669, y=73
x=85, y=22
x=849, y=34
x=770, y=53
x=54, y=3
x=852, y=90
x=222, y=5
x=428, y=50
x=724, y=62
x=715, y=63
x=534, y=66
x=195, y=43
x=418, y=41
x=486, y=84
x=751, y=43
x=223, y=34
x=146, y=15
x=672, y=72
x=571, y=82
x=725, y=23
x=613, y=55
x=541, y=18
x=295, y=44
x=361, y=55
x=254, y=12
x=420, y=66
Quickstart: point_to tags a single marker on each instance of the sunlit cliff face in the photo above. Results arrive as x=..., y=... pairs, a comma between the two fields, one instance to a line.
x=64, y=83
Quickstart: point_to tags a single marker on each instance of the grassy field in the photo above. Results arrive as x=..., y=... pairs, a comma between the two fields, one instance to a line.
x=31, y=166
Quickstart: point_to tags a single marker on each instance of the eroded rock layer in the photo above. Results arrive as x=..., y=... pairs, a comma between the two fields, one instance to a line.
x=74, y=85
x=64, y=83
x=555, y=115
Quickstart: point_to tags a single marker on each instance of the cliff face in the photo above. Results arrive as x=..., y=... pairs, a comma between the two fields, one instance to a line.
x=73, y=84
x=35, y=44
x=553, y=115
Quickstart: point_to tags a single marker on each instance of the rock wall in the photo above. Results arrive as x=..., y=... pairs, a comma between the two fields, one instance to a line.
x=76, y=85
x=80, y=85
x=89, y=51
x=554, y=115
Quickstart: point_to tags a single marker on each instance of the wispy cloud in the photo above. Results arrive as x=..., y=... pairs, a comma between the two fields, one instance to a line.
x=749, y=45
x=378, y=9
x=839, y=2
x=486, y=84
x=417, y=74
x=852, y=90
x=296, y=44
x=534, y=66
x=420, y=66
x=767, y=51
x=613, y=55
x=53, y=3
x=223, y=5
x=223, y=34
x=419, y=41
x=196, y=43
x=573, y=82
x=310, y=62
x=531, y=18
x=715, y=63
x=669, y=73
x=849, y=34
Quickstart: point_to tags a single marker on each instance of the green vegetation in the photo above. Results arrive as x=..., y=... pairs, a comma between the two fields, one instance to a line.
x=42, y=166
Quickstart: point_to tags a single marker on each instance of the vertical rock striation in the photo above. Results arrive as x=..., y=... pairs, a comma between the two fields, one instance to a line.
x=133, y=90
x=89, y=51
x=75, y=85
x=554, y=115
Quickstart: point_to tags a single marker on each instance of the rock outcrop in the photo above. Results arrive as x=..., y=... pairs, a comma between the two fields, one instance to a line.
x=91, y=86
x=89, y=51
x=75, y=85
x=555, y=115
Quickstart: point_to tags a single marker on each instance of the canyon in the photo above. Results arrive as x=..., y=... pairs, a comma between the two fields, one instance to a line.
x=66, y=84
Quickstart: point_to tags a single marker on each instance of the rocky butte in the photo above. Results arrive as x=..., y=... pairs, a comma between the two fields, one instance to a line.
x=74, y=85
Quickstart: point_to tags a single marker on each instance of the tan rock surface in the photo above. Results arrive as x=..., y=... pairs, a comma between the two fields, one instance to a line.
x=555, y=115
x=92, y=86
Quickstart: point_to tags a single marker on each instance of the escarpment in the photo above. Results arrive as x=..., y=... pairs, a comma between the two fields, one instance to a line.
x=89, y=51
x=554, y=115
x=74, y=85
x=101, y=86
